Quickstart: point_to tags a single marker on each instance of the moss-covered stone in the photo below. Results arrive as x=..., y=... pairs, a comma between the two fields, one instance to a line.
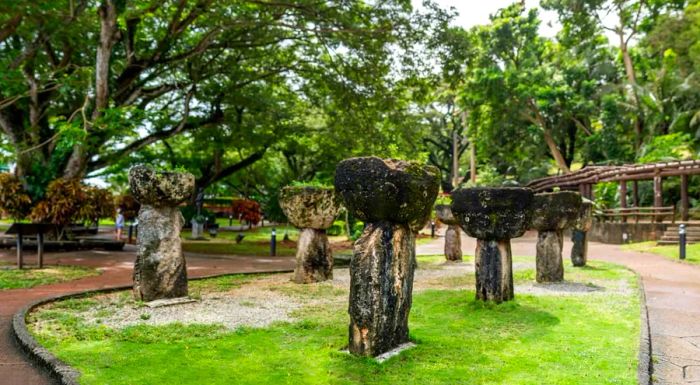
x=444, y=214
x=584, y=220
x=493, y=213
x=393, y=190
x=160, y=188
x=310, y=207
x=555, y=210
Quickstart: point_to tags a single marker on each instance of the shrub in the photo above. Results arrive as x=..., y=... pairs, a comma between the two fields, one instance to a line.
x=99, y=203
x=129, y=205
x=336, y=229
x=62, y=202
x=14, y=201
x=246, y=210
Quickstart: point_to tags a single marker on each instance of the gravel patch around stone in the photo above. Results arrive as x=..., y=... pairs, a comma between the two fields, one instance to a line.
x=267, y=299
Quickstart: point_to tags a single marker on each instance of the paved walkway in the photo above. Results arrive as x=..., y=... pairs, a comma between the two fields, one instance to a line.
x=117, y=267
x=673, y=300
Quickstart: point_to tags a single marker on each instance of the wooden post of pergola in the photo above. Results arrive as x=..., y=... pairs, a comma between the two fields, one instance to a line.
x=635, y=193
x=684, y=198
x=623, y=198
x=658, y=194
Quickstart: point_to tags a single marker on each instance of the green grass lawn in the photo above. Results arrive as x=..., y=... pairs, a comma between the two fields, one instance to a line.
x=11, y=278
x=255, y=243
x=692, y=251
x=536, y=339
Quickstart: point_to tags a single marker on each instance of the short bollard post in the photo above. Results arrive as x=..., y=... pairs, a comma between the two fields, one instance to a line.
x=230, y=220
x=681, y=241
x=273, y=242
x=131, y=232
x=432, y=229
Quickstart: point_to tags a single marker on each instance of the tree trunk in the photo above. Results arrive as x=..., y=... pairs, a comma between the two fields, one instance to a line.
x=314, y=258
x=632, y=80
x=558, y=157
x=77, y=163
x=381, y=286
x=549, y=263
x=494, y=270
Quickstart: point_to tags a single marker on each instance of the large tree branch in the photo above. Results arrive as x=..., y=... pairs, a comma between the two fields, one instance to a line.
x=232, y=169
x=185, y=125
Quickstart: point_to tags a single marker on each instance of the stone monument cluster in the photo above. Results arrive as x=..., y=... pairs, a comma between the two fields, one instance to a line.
x=395, y=200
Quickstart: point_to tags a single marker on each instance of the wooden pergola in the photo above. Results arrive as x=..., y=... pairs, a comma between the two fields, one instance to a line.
x=584, y=179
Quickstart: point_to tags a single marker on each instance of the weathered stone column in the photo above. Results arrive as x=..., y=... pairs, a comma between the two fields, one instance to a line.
x=453, y=239
x=579, y=234
x=493, y=216
x=160, y=270
x=552, y=213
x=394, y=199
x=312, y=209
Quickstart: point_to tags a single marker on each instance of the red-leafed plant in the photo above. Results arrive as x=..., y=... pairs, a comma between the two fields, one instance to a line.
x=247, y=210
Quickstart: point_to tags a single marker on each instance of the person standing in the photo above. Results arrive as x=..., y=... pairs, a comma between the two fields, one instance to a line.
x=119, y=222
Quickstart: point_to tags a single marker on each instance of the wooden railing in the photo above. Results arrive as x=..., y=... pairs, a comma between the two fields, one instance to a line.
x=656, y=214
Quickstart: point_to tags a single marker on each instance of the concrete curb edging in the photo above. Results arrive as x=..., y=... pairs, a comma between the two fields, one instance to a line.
x=59, y=370
x=645, y=366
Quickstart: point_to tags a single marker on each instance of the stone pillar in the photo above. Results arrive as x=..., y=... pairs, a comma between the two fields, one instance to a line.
x=160, y=270
x=394, y=199
x=579, y=234
x=313, y=210
x=494, y=270
x=493, y=216
x=453, y=239
x=552, y=213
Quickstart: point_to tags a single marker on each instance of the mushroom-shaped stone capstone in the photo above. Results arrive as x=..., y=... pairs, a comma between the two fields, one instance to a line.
x=579, y=234
x=387, y=190
x=493, y=216
x=453, y=241
x=394, y=198
x=552, y=213
x=312, y=209
x=160, y=188
x=160, y=270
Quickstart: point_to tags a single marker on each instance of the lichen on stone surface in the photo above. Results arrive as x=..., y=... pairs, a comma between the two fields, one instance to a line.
x=310, y=207
x=493, y=213
x=584, y=220
x=444, y=214
x=555, y=210
x=160, y=188
x=394, y=190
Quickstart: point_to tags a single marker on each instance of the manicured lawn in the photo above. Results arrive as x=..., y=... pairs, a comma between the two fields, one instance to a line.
x=255, y=243
x=692, y=252
x=11, y=278
x=558, y=338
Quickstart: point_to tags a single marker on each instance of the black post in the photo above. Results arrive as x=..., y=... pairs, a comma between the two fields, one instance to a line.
x=230, y=220
x=131, y=232
x=40, y=249
x=20, y=262
x=681, y=240
x=273, y=243
x=432, y=229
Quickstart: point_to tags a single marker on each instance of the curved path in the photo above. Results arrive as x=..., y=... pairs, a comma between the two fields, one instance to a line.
x=16, y=369
x=673, y=301
x=672, y=292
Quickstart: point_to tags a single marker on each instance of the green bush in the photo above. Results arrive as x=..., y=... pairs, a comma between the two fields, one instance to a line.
x=357, y=230
x=338, y=228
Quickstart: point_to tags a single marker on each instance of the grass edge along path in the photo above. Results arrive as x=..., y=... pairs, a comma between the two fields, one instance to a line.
x=670, y=252
x=537, y=339
x=12, y=278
